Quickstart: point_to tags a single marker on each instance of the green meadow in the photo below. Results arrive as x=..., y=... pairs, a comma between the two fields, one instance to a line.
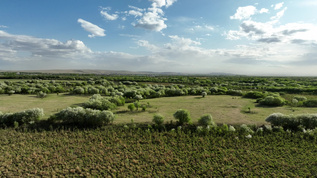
x=223, y=108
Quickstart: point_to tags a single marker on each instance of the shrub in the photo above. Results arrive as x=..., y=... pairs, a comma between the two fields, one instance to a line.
x=83, y=117
x=131, y=107
x=41, y=94
x=254, y=95
x=138, y=97
x=273, y=101
x=117, y=100
x=25, y=117
x=103, y=103
x=235, y=92
x=206, y=120
x=246, y=129
x=158, y=119
x=183, y=116
x=307, y=121
x=300, y=98
x=310, y=103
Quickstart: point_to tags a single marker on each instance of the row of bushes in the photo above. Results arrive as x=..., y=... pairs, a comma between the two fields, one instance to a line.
x=104, y=103
x=82, y=117
x=293, y=122
x=20, y=118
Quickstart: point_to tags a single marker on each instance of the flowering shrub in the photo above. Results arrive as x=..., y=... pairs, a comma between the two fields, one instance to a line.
x=206, y=120
x=24, y=117
x=83, y=117
x=307, y=121
x=246, y=129
x=103, y=103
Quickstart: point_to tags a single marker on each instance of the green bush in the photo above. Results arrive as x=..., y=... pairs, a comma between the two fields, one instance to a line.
x=83, y=117
x=206, y=120
x=254, y=95
x=273, y=101
x=102, y=103
x=131, y=107
x=310, y=103
x=292, y=122
x=158, y=119
x=25, y=117
x=183, y=116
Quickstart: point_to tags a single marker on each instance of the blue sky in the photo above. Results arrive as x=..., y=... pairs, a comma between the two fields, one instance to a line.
x=249, y=37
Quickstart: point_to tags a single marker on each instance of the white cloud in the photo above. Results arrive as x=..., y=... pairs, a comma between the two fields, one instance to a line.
x=162, y=3
x=135, y=13
x=263, y=10
x=106, y=15
x=278, y=6
x=179, y=55
x=279, y=15
x=244, y=13
x=3, y=26
x=92, y=28
x=153, y=19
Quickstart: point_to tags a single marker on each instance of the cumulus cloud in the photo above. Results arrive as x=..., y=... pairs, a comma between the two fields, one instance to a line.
x=153, y=19
x=162, y=3
x=92, y=28
x=244, y=13
x=106, y=15
x=135, y=13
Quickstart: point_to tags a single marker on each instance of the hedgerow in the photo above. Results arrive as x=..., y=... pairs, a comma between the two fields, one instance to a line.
x=83, y=117
x=293, y=122
x=25, y=117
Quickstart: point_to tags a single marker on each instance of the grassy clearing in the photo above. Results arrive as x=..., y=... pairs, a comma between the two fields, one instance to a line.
x=223, y=108
x=51, y=104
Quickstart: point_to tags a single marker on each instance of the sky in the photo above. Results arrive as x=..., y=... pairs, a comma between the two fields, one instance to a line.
x=244, y=37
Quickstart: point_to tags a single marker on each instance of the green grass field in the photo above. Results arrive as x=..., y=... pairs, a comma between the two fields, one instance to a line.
x=223, y=108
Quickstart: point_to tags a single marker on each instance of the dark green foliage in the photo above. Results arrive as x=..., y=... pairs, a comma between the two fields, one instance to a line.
x=183, y=116
x=310, y=103
x=255, y=95
x=131, y=107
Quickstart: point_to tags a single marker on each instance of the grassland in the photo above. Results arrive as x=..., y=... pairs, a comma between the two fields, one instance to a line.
x=223, y=108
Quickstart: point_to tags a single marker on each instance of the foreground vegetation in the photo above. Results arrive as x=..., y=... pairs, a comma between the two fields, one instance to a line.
x=119, y=151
